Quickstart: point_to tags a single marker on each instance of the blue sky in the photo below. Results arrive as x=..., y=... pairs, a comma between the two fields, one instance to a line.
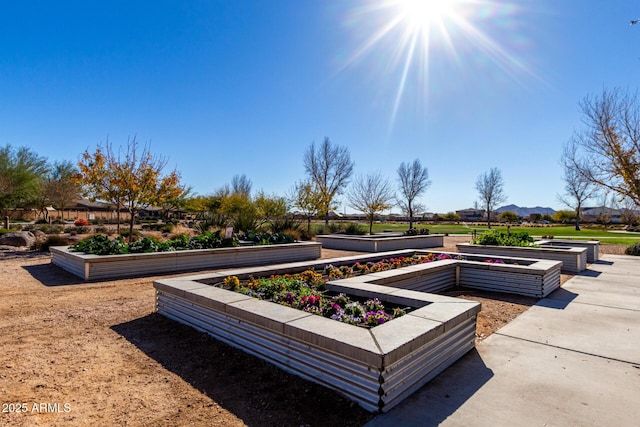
x=243, y=87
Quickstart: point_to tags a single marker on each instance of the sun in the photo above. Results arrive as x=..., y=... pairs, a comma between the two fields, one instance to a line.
x=420, y=15
x=407, y=39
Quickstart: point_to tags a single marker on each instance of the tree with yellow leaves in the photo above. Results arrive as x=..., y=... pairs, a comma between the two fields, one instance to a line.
x=130, y=179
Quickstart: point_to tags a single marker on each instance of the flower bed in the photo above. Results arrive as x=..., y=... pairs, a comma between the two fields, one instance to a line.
x=376, y=367
x=307, y=291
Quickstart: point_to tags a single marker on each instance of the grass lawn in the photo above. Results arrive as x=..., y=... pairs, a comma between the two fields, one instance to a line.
x=558, y=231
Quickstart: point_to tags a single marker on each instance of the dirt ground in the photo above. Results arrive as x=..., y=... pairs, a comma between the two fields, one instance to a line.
x=97, y=354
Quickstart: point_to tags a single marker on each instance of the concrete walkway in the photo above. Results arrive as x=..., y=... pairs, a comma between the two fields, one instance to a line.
x=573, y=359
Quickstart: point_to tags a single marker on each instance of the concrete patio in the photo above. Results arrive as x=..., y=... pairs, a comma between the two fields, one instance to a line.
x=573, y=359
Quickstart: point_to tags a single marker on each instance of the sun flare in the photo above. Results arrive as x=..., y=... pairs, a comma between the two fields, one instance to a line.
x=457, y=38
x=421, y=14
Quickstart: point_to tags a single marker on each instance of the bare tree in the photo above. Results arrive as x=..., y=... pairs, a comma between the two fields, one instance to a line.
x=607, y=149
x=490, y=188
x=241, y=185
x=371, y=194
x=414, y=180
x=577, y=188
x=329, y=168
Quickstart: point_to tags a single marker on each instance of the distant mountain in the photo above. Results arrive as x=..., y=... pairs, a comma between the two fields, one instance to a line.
x=525, y=212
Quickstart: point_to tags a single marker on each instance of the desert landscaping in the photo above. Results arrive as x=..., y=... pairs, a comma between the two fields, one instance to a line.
x=97, y=353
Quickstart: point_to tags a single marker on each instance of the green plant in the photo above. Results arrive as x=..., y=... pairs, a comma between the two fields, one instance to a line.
x=355, y=229
x=284, y=224
x=101, y=229
x=500, y=238
x=148, y=244
x=100, y=245
x=633, y=249
x=268, y=238
x=336, y=227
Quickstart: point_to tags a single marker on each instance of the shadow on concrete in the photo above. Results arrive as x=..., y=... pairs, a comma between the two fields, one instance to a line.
x=441, y=397
x=558, y=299
x=602, y=262
x=257, y=392
x=589, y=273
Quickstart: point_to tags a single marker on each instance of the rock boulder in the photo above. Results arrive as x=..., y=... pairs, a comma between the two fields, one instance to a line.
x=18, y=238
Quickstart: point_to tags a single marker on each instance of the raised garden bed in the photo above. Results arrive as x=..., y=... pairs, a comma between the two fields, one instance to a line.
x=99, y=267
x=593, y=246
x=574, y=259
x=380, y=242
x=376, y=367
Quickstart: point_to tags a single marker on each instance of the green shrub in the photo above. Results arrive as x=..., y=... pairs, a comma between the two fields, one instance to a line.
x=305, y=234
x=268, y=238
x=336, y=227
x=283, y=224
x=355, y=229
x=500, y=238
x=4, y=231
x=77, y=230
x=633, y=249
x=101, y=229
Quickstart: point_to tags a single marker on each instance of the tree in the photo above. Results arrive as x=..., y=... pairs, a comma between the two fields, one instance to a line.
x=61, y=186
x=606, y=152
x=329, y=169
x=304, y=196
x=240, y=184
x=490, y=188
x=564, y=216
x=578, y=189
x=271, y=209
x=240, y=211
x=450, y=216
x=131, y=179
x=371, y=194
x=175, y=203
x=509, y=216
x=20, y=176
x=414, y=180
